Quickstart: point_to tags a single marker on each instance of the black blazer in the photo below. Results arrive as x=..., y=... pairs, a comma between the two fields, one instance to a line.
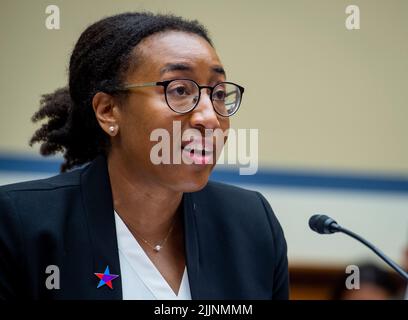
x=234, y=245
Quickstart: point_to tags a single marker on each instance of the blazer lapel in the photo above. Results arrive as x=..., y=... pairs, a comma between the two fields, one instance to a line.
x=191, y=245
x=97, y=198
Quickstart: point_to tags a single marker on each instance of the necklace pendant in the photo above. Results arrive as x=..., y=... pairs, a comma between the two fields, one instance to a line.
x=157, y=248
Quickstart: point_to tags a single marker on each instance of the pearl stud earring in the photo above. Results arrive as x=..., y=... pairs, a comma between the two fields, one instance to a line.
x=112, y=129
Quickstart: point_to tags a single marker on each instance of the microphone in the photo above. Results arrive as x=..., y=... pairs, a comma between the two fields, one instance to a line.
x=323, y=224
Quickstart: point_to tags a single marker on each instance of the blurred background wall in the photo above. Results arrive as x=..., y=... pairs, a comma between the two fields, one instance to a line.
x=330, y=105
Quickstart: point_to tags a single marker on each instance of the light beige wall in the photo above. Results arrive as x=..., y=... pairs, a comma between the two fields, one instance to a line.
x=321, y=96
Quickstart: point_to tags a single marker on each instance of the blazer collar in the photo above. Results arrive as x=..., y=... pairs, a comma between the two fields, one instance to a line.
x=98, y=203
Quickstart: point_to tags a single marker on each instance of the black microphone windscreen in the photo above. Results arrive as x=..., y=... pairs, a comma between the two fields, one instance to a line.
x=322, y=224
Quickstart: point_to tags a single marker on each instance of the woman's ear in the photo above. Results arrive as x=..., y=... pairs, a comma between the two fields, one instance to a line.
x=106, y=112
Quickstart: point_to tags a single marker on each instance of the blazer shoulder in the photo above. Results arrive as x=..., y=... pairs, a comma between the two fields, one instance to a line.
x=230, y=194
x=67, y=179
x=41, y=204
x=223, y=199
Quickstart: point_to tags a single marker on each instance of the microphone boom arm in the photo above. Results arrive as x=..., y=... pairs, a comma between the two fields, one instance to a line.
x=377, y=251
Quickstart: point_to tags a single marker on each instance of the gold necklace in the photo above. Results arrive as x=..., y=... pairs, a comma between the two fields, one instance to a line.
x=157, y=247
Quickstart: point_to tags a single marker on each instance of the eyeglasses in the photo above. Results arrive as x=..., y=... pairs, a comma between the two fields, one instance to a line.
x=183, y=95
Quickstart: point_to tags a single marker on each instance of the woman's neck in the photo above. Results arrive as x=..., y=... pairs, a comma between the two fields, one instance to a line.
x=141, y=204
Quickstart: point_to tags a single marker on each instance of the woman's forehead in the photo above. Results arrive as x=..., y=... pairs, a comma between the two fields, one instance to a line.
x=171, y=50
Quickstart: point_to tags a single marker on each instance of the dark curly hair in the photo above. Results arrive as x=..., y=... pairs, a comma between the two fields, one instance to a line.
x=100, y=59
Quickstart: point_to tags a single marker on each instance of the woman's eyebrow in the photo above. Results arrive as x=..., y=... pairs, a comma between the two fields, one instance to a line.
x=175, y=67
x=185, y=67
x=220, y=70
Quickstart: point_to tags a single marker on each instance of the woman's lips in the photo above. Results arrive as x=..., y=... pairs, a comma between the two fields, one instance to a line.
x=197, y=153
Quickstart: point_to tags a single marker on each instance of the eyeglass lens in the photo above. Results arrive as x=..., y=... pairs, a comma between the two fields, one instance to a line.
x=183, y=95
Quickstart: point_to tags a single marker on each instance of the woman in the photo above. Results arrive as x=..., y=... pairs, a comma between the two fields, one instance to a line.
x=123, y=227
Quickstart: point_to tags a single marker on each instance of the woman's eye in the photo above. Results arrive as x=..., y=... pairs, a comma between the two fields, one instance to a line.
x=180, y=90
x=219, y=95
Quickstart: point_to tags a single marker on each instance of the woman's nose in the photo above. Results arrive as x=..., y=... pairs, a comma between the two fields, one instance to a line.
x=204, y=114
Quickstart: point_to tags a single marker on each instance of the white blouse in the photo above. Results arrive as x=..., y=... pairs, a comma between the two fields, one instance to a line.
x=141, y=280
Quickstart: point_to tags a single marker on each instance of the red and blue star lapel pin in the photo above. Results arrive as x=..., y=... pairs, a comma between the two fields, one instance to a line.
x=106, y=278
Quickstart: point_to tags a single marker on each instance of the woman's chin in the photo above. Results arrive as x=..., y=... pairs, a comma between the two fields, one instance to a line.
x=191, y=180
x=194, y=186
